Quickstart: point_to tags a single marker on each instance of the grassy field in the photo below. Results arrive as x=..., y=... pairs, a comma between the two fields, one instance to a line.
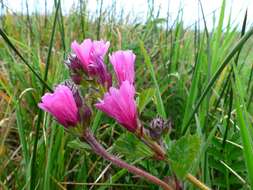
x=199, y=80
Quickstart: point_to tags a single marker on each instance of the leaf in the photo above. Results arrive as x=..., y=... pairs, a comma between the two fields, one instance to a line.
x=242, y=117
x=144, y=98
x=131, y=147
x=182, y=154
x=77, y=144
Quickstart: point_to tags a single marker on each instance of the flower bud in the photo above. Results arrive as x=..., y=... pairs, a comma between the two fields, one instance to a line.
x=75, y=68
x=158, y=126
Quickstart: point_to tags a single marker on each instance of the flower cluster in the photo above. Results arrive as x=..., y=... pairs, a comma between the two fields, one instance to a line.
x=86, y=65
x=72, y=102
x=88, y=58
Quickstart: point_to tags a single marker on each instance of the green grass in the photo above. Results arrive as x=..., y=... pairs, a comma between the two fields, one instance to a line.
x=200, y=80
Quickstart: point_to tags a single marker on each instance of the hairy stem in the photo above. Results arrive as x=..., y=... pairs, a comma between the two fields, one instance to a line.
x=99, y=150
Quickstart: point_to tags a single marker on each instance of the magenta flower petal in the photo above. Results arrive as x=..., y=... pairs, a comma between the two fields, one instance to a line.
x=123, y=64
x=120, y=105
x=100, y=48
x=61, y=104
x=83, y=51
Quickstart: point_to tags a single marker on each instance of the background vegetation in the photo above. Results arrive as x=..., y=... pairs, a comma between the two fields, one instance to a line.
x=203, y=76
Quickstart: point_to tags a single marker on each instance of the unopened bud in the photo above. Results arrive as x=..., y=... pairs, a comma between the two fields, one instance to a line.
x=73, y=62
x=158, y=127
x=75, y=68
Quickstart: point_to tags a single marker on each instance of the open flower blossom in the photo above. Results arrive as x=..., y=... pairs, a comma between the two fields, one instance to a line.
x=83, y=52
x=61, y=104
x=91, y=55
x=123, y=64
x=100, y=48
x=120, y=105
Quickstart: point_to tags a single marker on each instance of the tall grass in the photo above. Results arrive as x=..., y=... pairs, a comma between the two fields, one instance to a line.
x=201, y=80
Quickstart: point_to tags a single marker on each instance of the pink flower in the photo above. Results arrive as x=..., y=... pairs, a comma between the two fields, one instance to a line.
x=91, y=55
x=61, y=104
x=88, y=51
x=100, y=48
x=120, y=105
x=123, y=64
x=83, y=52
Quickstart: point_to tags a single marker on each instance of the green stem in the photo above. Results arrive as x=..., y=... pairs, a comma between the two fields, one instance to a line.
x=196, y=182
x=160, y=153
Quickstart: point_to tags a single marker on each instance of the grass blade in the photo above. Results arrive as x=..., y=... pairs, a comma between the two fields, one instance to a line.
x=160, y=106
x=36, y=138
x=243, y=122
x=226, y=61
x=6, y=39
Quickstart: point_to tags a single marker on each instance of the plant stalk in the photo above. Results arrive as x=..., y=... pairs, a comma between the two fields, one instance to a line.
x=141, y=133
x=99, y=150
x=160, y=153
x=196, y=182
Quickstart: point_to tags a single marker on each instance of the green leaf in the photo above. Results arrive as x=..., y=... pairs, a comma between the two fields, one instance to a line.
x=77, y=144
x=144, y=98
x=182, y=154
x=131, y=147
x=244, y=124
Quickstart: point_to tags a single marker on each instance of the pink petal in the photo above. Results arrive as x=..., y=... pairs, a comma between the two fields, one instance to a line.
x=83, y=51
x=120, y=105
x=100, y=47
x=123, y=64
x=61, y=104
